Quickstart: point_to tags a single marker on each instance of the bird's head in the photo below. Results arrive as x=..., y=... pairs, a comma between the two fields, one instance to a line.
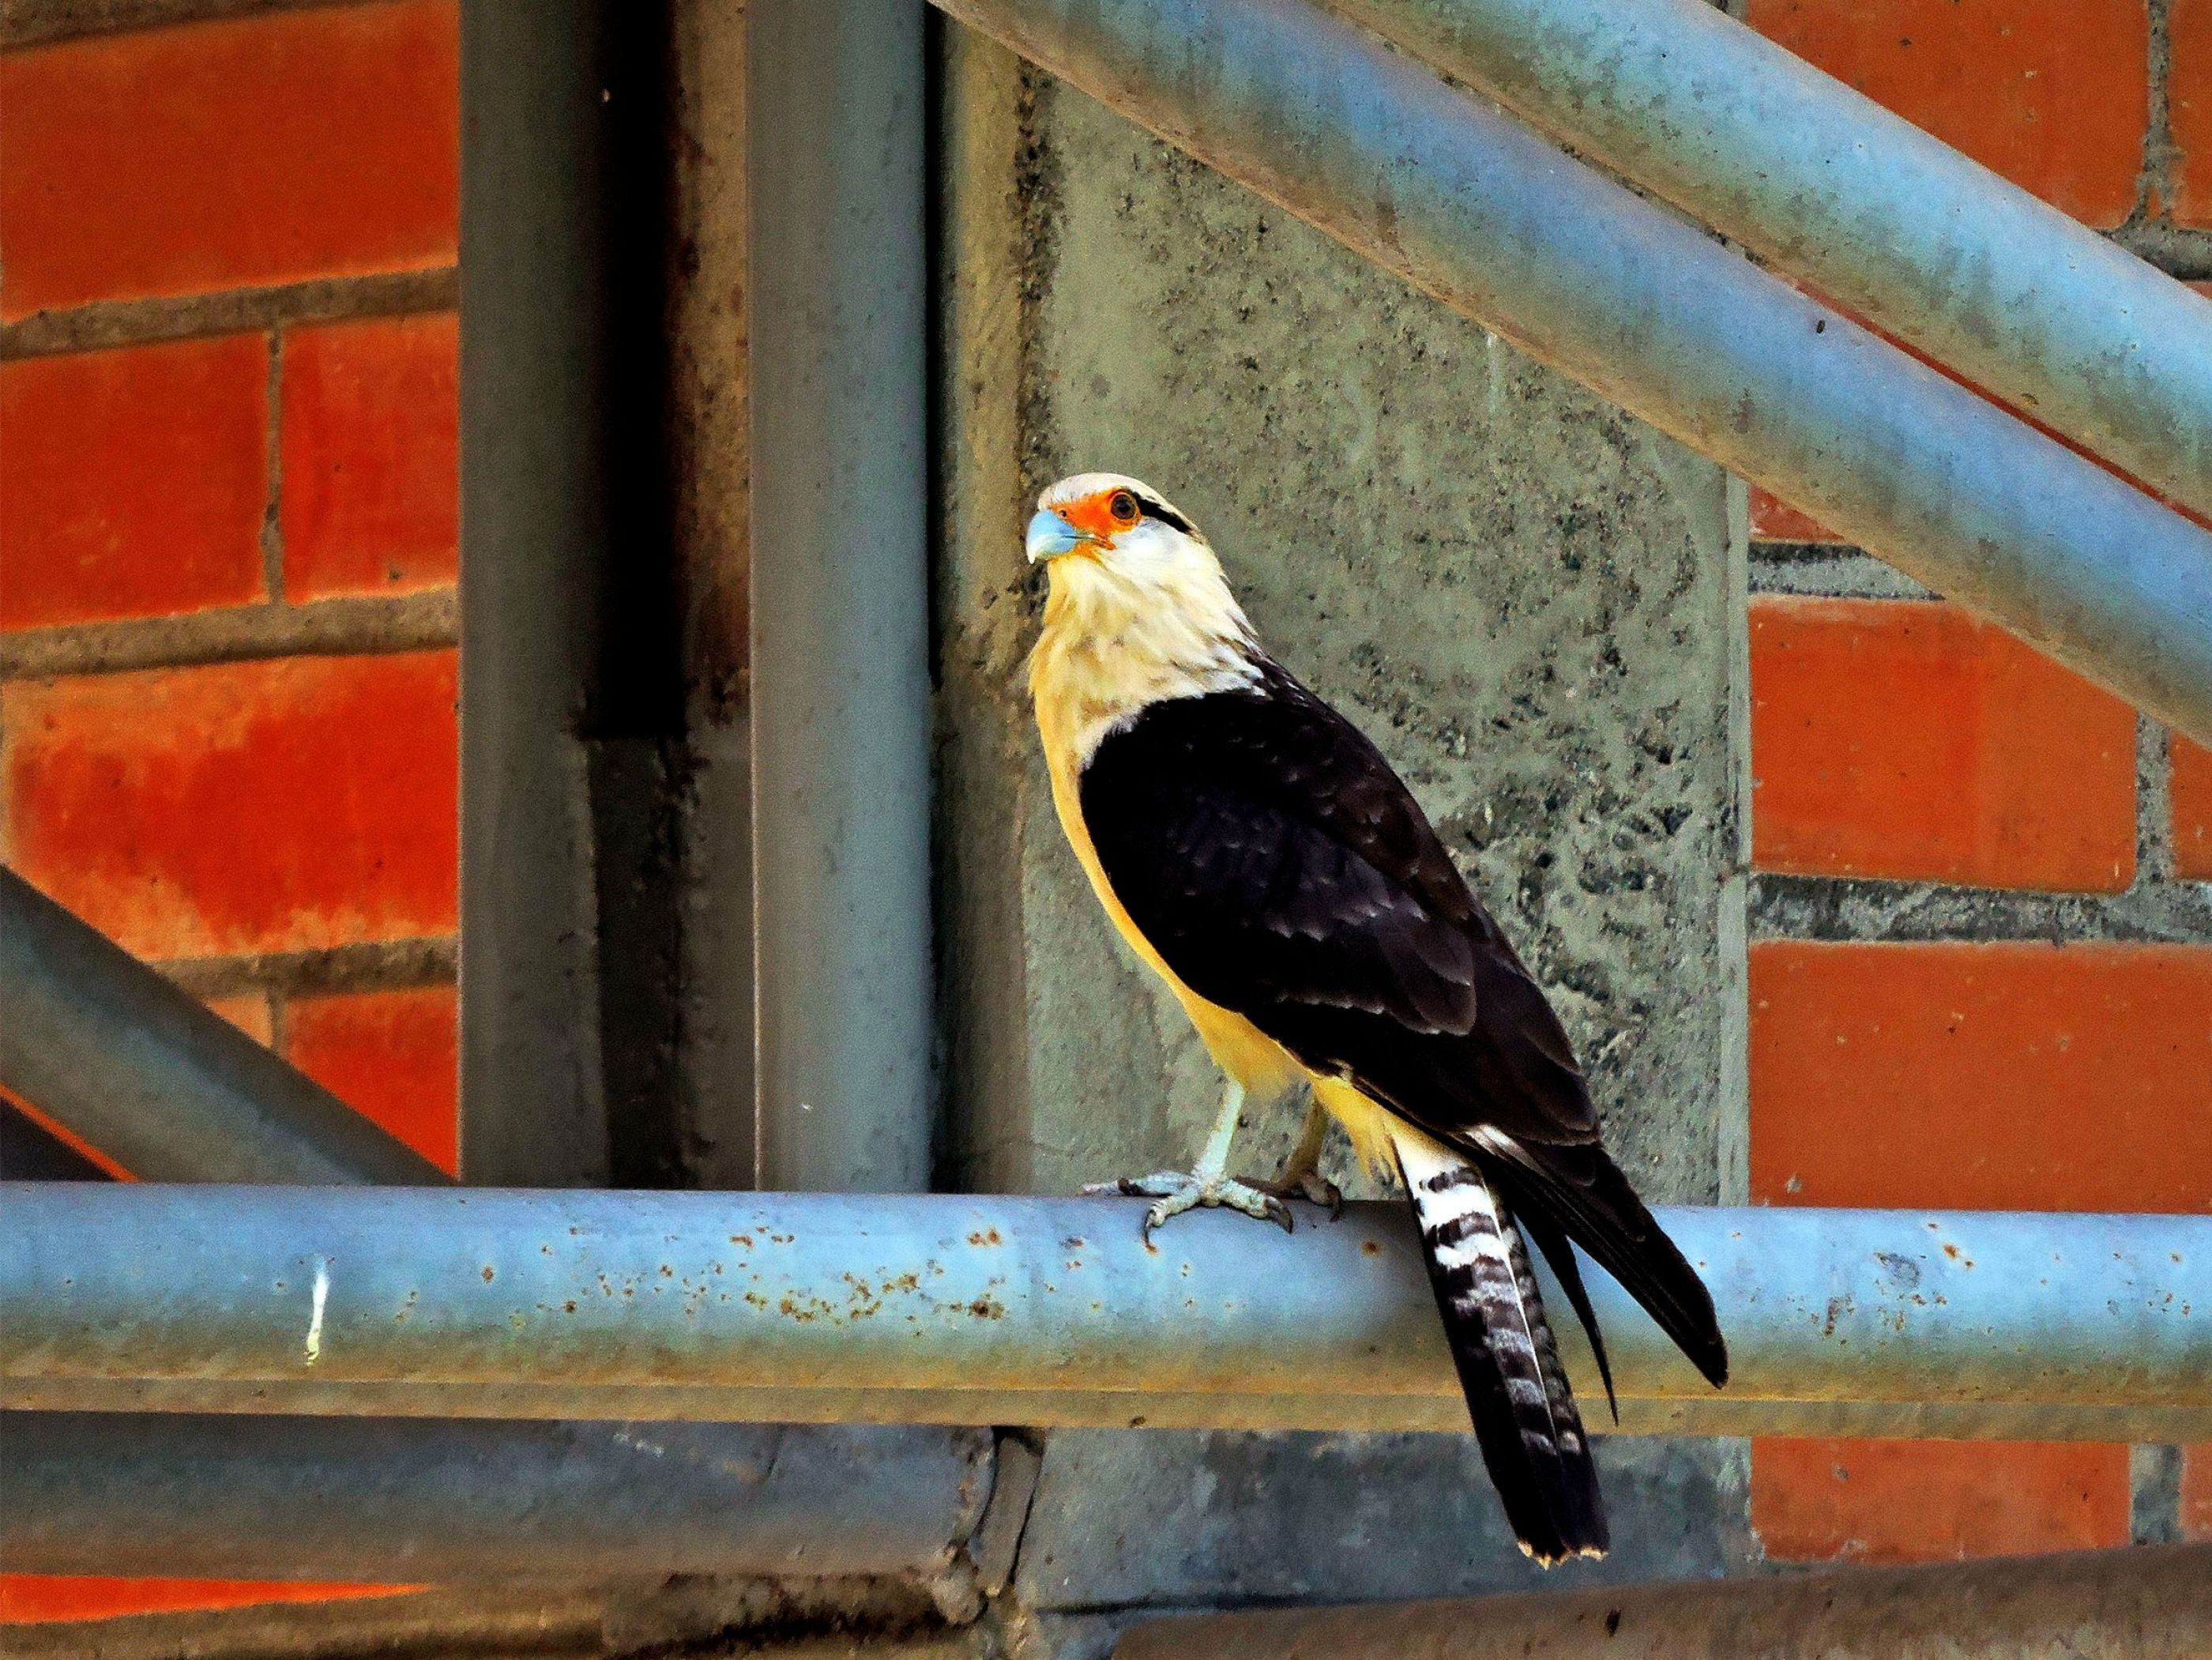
x=1136, y=591
x=1114, y=543
x=1120, y=525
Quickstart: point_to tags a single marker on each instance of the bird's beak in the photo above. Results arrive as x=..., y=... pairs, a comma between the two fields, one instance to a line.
x=1050, y=536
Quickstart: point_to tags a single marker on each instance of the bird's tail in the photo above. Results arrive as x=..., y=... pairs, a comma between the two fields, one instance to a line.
x=1517, y=1391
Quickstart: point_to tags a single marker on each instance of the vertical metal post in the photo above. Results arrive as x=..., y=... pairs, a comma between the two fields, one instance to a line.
x=840, y=514
x=534, y=528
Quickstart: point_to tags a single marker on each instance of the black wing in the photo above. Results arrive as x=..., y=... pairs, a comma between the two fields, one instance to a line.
x=1282, y=869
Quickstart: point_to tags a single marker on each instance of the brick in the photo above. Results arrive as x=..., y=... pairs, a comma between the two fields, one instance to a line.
x=290, y=805
x=133, y=482
x=1908, y=739
x=36, y=1598
x=33, y=1598
x=2197, y=1492
x=305, y=143
x=1773, y=520
x=2013, y=1076
x=392, y=1055
x=250, y=1013
x=2055, y=94
x=2192, y=809
x=2189, y=107
x=1920, y=1501
x=371, y=457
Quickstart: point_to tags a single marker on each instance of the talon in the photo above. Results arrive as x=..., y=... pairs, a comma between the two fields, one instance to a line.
x=1312, y=1186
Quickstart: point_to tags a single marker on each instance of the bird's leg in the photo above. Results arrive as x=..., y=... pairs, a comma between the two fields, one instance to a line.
x=1300, y=1177
x=1208, y=1184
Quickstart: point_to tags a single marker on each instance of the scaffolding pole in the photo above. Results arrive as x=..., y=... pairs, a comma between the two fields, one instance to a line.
x=428, y=1502
x=114, y=1054
x=1830, y=186
x=1470, y=206
x=2153, y=1604
x=1053, y=1312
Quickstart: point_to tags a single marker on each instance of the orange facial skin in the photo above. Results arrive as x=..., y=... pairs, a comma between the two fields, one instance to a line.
x=1095, y=515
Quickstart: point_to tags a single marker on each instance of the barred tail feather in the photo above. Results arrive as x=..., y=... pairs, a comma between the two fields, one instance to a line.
x=1517, y=1391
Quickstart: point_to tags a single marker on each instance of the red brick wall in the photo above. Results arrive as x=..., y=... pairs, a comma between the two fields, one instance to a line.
x=2040, y=1043
x=228, y=508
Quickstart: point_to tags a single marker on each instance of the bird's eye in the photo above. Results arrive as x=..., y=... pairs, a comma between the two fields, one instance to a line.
x=1123, y=507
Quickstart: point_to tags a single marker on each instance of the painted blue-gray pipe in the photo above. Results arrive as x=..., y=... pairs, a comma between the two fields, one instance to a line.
x=1468, y=204
x=445, y=1501
x=1008, y=1310
x=107, y=1048
x=1827, y=184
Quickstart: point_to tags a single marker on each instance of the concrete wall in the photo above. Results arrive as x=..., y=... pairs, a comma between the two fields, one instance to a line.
x=1522, y=595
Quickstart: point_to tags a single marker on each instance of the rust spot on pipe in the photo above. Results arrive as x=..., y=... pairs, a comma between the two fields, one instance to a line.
x=488, y=1275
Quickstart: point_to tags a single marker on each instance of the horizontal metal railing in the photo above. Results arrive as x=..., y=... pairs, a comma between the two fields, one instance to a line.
x=447, y=1501
x=1053, y=1311
x=2153, y=1604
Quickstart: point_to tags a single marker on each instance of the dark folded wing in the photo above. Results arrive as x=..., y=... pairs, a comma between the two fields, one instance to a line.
x=1281, y=868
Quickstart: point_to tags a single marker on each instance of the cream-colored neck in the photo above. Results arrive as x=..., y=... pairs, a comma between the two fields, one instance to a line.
x=1113, y=644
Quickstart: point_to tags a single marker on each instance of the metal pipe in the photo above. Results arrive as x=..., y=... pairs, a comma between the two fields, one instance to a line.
x=840, y=597
x=1002, y=1309
x=1470, y=206
x=113, y=1053
x=1825, y=183
x=2151, y=1604
x=429, y=1502
x=535, y=529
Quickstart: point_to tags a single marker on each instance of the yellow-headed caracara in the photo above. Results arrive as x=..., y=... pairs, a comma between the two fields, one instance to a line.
x=1262, y=857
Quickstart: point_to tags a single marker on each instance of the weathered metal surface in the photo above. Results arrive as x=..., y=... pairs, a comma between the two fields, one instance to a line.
x=840, y=514
x=1829, y=186
x=113, y=1052
x=2153, y=1604
x=537, y=410
x=1464, y=201
x=998, y=1310
x=441, y=1501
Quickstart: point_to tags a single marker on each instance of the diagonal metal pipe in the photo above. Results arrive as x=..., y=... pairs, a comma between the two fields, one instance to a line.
x=1467, y=204
x=1827, y=184
x=107, y=1048
x=1009, y=1310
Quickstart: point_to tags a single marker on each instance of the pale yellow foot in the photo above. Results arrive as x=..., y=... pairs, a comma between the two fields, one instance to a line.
x=1177, y=1191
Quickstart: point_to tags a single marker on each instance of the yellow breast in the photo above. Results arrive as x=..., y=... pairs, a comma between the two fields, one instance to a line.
x=1074, y=710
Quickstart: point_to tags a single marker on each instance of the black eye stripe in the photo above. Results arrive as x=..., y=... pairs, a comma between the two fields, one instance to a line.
x=1164, y=514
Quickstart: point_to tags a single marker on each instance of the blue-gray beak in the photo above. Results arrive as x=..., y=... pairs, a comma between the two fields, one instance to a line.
x=1050, y=536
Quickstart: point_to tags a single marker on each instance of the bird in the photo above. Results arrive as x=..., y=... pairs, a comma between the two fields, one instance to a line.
x=1258, y=853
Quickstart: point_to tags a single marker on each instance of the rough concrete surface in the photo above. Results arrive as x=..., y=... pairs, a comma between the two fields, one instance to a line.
x=1518, y=591
x=1522, y=594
